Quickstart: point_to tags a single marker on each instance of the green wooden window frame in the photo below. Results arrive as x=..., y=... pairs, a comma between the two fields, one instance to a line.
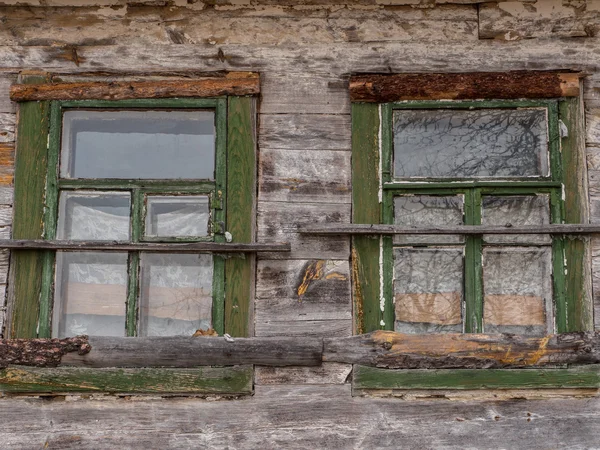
x=373, y=190
x=35, y=216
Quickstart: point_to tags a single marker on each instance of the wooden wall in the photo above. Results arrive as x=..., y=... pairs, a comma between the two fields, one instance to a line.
x=305, y=52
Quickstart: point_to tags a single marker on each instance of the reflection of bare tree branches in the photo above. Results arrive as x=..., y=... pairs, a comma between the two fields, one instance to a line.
x=479, y=143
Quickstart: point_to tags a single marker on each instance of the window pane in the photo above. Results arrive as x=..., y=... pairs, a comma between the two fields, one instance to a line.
x=94, y=215
x=428, y=290
x=426, y=210
x=470, y=143
x=516, y=210
x=90, y=294
x=177, y=216
x=138, y=144
x=517, y=290
x=176, y=294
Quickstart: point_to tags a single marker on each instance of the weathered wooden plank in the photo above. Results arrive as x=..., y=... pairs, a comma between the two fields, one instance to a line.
x=6, y=195
x=232, y=84
x=327, y=373
x=304, y=93
x=7, y=163
x=304, y=132
x=308, y=307
x=6, y=106
x=591, y=91
x=40, y=352
x=580, y=316
x=278, y=221
x=241, y=209
x=274, y=25
x=388, y=349
x=302, y=279
x=206, y=380
x=320, y=176
x=338, y=59
x=580, y=377
x=592, y=131
x=7, y=127
x=30, y=172
x=303, y=417
x=117, y=246
x=469, y=230
x=549, y=18
x=304, y=328
x=178, y=351
x=464, y=86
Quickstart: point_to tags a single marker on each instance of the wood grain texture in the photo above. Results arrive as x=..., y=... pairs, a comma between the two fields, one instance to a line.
x=206, y=380
x=7, y=127
x=241, y=212
x=40, y=352
x=242, y=24
x=7, y=164
x=278, y=221
x=209, y=87
x=551, y=18
x=326, y=373
x=304, y=93
x=388, y=349
x=30, y=174
x=304, y=132
x=319, y=176
x=180, y=351
x=308, y=417
x=305, y=328
x=6, y=80
x=464, y=86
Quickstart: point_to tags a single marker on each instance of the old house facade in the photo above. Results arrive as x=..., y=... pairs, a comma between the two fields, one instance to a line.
x=327, y=129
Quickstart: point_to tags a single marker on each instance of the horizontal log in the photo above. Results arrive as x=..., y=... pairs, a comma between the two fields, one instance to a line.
x=206, y=87
x=383, y=349
x=40, y=352
x=387, y=349
x=119, y=246
x=389, y=230
x=180, y=351
x=463, y=86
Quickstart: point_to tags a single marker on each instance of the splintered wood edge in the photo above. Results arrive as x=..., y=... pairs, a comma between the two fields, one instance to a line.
x=382, y=88
x=238, y=83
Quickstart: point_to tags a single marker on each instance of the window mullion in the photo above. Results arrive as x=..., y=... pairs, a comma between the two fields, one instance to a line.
x=137, y=222
x=473, y=265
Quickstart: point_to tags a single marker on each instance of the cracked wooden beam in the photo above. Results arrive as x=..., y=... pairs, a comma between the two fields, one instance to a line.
x=40, y=352
x=388, y=349
x=380, y=88
x=232, y=84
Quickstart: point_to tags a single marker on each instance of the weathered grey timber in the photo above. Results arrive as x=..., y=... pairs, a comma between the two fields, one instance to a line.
x=299, y=416
x=197, y=351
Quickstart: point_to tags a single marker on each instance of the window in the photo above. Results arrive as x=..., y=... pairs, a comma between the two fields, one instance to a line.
x=424, y=162
x=137, y=182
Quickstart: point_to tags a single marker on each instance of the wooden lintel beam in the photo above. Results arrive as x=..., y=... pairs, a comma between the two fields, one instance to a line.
x=380, y=88
x=117, y=246
x=234, y=84
x=384, y=349
x=390, y=230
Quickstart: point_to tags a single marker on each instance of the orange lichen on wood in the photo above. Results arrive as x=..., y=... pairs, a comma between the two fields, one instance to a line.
x=314, y=271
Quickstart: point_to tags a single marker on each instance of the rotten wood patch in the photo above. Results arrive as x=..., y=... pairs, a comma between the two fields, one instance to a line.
x=379, y=88
x=40, y=352
x=235, y=83
x=387, y=349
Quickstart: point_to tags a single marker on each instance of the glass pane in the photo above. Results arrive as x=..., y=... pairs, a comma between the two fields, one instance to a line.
x=426, y=210
x=428, y=290
x=90, y=294
x=138, y=144
x=177, y=216
x=176, y=294
x=516, y=210
x=94, y=215
x=470, y=143
x=517, y=290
